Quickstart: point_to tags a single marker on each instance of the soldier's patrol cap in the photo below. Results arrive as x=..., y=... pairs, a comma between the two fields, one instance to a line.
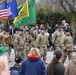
x=42, y=28
x=18, y=59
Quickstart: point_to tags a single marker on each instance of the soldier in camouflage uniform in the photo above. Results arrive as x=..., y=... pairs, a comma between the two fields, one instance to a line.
x=15, y=38
x=19, y=44
x=42, y=42
x=68, y=46
x=34, y=34
x=7, y=41
x=57, y=38
x=28, y=40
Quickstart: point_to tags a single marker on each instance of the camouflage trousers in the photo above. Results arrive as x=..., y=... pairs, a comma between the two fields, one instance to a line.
x=27, y=50
x=9, y=52
x=15, y=51
x=43, y=52
x=21, y=53
x=65, y=54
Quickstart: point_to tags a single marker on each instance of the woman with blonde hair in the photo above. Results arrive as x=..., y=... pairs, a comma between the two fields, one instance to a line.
x=33, y=64
x=34, y=52
x=4, y=69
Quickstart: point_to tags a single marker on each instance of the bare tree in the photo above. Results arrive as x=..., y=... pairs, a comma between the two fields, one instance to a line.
x=71, y=4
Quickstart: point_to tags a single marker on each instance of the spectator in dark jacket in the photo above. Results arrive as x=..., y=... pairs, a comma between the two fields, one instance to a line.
x=56, y=67
x=15, y=69
x=33, y=64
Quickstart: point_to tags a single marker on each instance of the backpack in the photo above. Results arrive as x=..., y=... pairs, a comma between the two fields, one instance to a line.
x=14, y=71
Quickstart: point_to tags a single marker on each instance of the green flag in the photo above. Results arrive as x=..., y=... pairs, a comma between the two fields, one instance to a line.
x=3, y=49
x=31, y=19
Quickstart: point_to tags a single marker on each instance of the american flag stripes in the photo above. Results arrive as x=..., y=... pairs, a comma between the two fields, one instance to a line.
x=3, y=10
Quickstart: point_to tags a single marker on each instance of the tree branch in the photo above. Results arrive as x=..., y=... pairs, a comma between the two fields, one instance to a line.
x=63, y=6
x=71, y=6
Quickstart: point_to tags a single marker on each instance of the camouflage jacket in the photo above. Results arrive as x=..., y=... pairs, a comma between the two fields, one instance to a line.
x=19, y=42
x=67, y=43
x=42, y=40
x=57, y=38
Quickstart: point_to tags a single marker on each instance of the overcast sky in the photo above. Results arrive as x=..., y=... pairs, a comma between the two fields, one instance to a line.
x=37, y=0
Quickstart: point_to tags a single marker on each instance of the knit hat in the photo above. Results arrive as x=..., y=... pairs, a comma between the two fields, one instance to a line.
x=18, y=59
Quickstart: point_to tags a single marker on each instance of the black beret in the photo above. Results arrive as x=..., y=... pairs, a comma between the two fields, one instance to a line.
x=42, y=28
x=59, y=27
x=67, y=30
x=20, y=30
x=27, y=30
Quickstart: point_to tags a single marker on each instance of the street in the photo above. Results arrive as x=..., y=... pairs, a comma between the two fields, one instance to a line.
x=49, y=57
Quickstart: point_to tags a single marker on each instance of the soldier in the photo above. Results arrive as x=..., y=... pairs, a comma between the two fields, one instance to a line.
x=67, y=45
x=17, y=32
x=28, y=40
x=42, y=43
x=7, y=41
x=19, y=44
x=57, y=38
x=34, y=33
x=15, y=38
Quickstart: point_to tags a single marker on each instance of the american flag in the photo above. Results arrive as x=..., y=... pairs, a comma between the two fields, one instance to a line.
x=3, y=10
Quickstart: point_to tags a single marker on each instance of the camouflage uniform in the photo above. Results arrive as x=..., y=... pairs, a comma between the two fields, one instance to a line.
x=34, y=34
x=42, y=42
x=7, y=41
x=28, y=39
x=19, y=44
x=57, y=38
x=67, y=43
x=15, y=46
